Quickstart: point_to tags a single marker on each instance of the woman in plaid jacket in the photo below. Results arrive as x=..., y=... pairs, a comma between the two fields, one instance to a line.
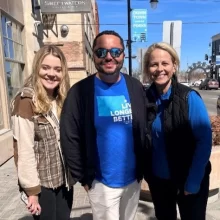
x=35, y=121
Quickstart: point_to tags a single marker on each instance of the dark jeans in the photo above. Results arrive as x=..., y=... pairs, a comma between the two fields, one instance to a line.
x=165, y=197
x=55, y=204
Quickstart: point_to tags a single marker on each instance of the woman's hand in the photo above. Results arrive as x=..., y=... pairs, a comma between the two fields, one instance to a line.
x=33, y=205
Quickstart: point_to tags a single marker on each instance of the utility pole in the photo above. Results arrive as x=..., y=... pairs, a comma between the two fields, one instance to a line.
x=129, y=37
x=129, y=42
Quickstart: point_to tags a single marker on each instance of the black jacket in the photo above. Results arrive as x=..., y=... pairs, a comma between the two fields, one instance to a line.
x=179, y=139
x=78, y=133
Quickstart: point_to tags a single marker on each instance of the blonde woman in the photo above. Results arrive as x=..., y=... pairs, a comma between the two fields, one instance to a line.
x=35, y=121
x=181, y=139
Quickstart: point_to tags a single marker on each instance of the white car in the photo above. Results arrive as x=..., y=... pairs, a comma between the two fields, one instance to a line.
x=198, y=82
x=185, y=83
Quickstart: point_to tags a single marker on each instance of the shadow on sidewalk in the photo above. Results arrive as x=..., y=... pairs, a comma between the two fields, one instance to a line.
x=26, y=218
x=87, y=216
x=145, y=208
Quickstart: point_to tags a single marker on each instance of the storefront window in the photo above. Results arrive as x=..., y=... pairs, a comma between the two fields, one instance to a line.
x=12, y=46
x=14, y=77
x=13, y=52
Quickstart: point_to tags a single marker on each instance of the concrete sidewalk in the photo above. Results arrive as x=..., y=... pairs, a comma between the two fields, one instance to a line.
x=11, y=207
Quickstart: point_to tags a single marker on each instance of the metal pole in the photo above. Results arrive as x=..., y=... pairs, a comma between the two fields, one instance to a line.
x=129, y=37
x=171, y=33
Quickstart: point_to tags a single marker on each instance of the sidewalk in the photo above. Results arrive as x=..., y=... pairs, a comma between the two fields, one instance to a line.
x=11, y=207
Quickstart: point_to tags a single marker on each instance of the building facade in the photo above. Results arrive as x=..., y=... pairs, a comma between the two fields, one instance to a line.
x=74, y=33
x=23, y=30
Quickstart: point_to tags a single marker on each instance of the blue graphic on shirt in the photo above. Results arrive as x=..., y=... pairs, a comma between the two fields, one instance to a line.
x=116, y=162
x=115, y=106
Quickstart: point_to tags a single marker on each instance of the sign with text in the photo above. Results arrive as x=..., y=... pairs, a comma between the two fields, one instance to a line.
x=65, y=6
x=139, y=25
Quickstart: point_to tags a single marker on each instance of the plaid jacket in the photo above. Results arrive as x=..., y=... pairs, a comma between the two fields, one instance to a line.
x=37, y=149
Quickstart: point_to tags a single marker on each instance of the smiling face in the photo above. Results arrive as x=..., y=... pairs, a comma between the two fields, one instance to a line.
x=50, y=73
x=161, y=68
x=108, y=65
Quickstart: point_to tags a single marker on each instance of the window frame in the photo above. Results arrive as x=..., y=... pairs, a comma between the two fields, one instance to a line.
x=35, y=6
x=16, y=37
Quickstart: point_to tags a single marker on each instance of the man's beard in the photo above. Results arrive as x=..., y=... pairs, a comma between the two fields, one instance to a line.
x=100, y=68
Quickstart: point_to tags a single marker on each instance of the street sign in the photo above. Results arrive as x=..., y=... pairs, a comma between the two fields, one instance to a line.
x=139, y=25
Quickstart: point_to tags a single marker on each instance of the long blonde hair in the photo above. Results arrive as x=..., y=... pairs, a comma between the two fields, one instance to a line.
x=42, y=101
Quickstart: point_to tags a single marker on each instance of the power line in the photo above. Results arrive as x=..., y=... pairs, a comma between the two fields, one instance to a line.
x=165, y=1
x=149, y=23
x=194, y=1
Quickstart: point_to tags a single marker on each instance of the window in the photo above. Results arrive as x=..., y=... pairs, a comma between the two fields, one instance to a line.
x=35, y=6
x=13, y=53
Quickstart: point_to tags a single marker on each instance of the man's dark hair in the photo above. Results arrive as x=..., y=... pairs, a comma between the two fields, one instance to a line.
x=108, y=32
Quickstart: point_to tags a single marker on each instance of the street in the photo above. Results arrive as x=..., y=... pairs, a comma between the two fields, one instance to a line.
x=210, y=99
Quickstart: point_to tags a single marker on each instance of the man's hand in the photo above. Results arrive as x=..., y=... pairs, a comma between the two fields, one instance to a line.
x=86, y=187
x=33, y=205
x=187, y=193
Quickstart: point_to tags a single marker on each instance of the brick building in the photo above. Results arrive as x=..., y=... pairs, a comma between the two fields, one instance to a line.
x=23, y=30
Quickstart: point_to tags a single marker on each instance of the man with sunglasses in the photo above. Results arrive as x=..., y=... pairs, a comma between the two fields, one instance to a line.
x=103, y=132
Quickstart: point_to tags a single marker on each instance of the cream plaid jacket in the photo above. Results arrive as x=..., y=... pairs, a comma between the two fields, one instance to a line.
x=37, y=149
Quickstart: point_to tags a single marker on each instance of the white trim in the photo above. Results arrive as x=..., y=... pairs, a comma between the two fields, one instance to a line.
x=4, y=131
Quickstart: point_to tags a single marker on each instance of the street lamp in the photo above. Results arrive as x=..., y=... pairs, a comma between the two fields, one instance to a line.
x=153, y=5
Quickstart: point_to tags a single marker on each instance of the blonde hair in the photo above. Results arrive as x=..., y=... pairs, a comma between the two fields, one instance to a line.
x=43, y=103
x=163, y=46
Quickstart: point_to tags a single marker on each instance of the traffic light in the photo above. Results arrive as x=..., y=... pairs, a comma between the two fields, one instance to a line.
x=206, y=57
x=143, y=37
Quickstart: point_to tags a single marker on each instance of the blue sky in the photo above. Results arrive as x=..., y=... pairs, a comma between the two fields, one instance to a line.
x=195, y=37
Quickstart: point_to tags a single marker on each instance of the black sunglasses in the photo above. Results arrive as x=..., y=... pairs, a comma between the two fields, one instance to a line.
x=102, y=52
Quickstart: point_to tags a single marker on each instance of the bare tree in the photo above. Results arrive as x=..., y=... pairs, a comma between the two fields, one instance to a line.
x=136, y=73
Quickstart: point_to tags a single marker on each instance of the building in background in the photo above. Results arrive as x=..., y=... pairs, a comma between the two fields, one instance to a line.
x=215, y=58
x=172, y=34
x=23, y=30
x=72, y=31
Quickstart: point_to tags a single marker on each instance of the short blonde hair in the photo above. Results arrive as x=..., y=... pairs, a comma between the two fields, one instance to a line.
x=163, y=46
x=43, y=102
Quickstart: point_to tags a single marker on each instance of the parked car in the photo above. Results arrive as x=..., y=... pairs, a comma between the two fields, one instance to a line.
x=198, y=82
x=209, y=83
x=218, y=106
